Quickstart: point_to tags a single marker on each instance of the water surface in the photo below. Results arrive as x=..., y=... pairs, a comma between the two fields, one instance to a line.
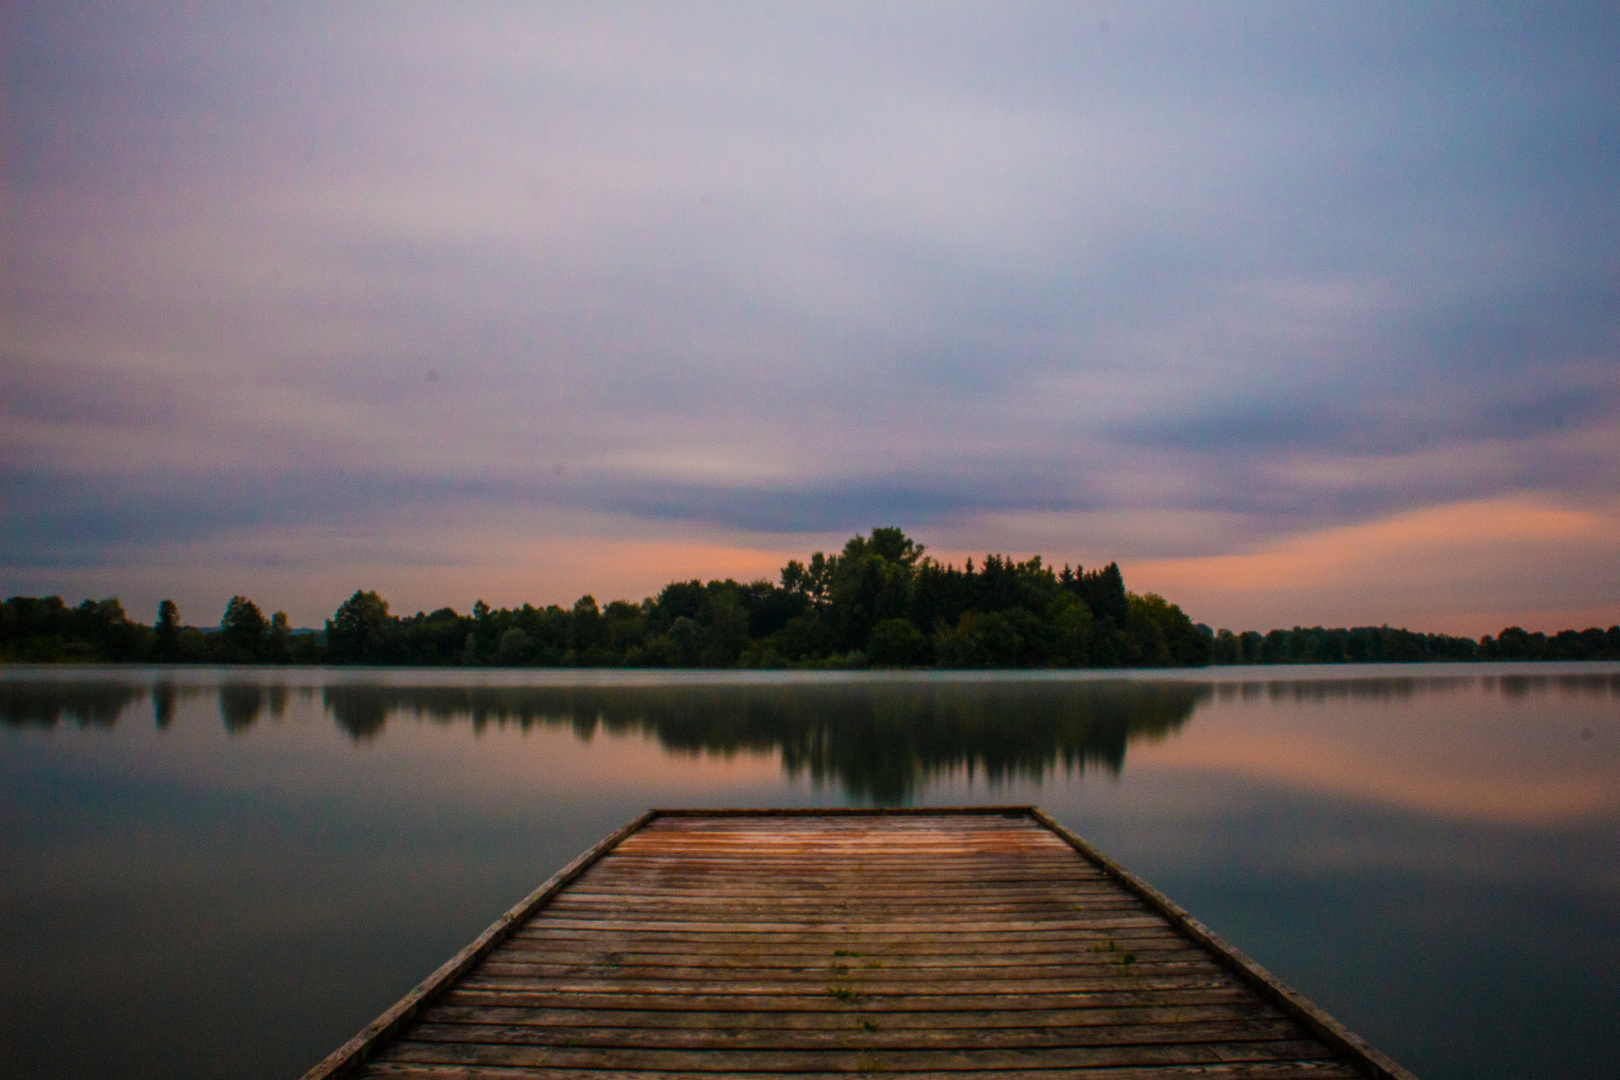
x=229, y=872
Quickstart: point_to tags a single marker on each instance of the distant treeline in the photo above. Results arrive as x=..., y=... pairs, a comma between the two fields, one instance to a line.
x=880, y=602
x=44, y=630
x=1385, y=645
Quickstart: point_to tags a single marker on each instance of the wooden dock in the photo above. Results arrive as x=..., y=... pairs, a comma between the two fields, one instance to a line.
x=980, y=943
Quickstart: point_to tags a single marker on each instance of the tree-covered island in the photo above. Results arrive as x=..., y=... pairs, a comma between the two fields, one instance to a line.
x=880, y=602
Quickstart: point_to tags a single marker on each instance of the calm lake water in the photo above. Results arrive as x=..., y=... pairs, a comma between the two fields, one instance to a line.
x=214, y=873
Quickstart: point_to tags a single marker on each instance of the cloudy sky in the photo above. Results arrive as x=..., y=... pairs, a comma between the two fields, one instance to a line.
x=1303, y=312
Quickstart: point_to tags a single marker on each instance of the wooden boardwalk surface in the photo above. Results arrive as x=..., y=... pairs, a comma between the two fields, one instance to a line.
x=987, y=944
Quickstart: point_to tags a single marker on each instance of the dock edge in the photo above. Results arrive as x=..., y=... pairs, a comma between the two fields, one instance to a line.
x=1361, y=1053
x=354, y=1053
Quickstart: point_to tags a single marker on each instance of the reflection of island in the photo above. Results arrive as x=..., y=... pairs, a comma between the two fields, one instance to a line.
x=878, y=741
x=102, y=703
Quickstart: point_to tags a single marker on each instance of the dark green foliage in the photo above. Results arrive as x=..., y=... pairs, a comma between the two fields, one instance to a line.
x=167, y=633
x=1513, y=643
x=514, y=648
x=979, y=640
x=44, y=630
x=278, y=641
x=686, y=641
x=881, y=601
x=1164, y=633
x=1104, y=592
x=359, y=632
x=1227, y=648
x=1387, y=645
x=897, y=643
x=244, y=631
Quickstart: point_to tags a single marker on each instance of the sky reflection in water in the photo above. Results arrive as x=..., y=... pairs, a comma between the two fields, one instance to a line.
x=229, y=872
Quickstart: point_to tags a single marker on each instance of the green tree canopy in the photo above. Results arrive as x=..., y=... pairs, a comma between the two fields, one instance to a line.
x=355, y=633
x=244, y=628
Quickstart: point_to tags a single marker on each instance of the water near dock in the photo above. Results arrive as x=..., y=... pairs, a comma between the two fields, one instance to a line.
x=983, y=944
x=214, y=873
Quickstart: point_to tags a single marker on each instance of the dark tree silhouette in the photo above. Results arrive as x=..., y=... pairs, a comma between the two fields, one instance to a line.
x=356, y=633
x=244, y=629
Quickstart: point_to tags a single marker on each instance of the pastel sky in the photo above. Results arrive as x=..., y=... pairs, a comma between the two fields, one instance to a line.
x=1306, y=313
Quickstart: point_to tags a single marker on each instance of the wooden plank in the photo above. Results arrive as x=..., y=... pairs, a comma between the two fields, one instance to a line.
x=911, y=966
x=934, y=890
x=795, y=901
x=849, y=869
x=539, y=965
x=836, y=816
x=850, y=873
x=821, y=888
x=825, y=966
x=1078, y=1057
x=843, y=870
x=875, y=844
x=929, y=980
x=848, y=877
x=867, y=980
x=721, y=910
x=847, y=864
x=780, y=849
x=823, y=829
x=1217, y=991
x=944, y=925
x=784, y=918
x=951, y=839
x=1148, y=941
x=812, y=905
x=756, y=895
x=987, y=946
x=918, y=965
x=862, y=990
x=643, y=1019
x=1259, y=1070
x=856, y=1037
x=787, y=847
x=929, y=886
x=875, y=938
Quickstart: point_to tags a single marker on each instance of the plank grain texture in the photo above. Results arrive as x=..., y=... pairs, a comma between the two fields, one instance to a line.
x=985, y=943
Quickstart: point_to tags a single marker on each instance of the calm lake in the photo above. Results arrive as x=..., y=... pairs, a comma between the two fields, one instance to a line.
x=211, y=873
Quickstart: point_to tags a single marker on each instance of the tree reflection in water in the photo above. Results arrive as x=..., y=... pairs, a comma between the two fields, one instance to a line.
x=240, y=704
x=47, y=702
x=878, y=741
x=881, y=741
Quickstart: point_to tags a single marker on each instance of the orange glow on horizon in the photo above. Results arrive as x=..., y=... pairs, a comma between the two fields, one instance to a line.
x=1326, y=557
x=1467, y=568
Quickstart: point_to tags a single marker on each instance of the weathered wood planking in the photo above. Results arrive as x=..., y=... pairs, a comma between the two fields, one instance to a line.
x=984, y=942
